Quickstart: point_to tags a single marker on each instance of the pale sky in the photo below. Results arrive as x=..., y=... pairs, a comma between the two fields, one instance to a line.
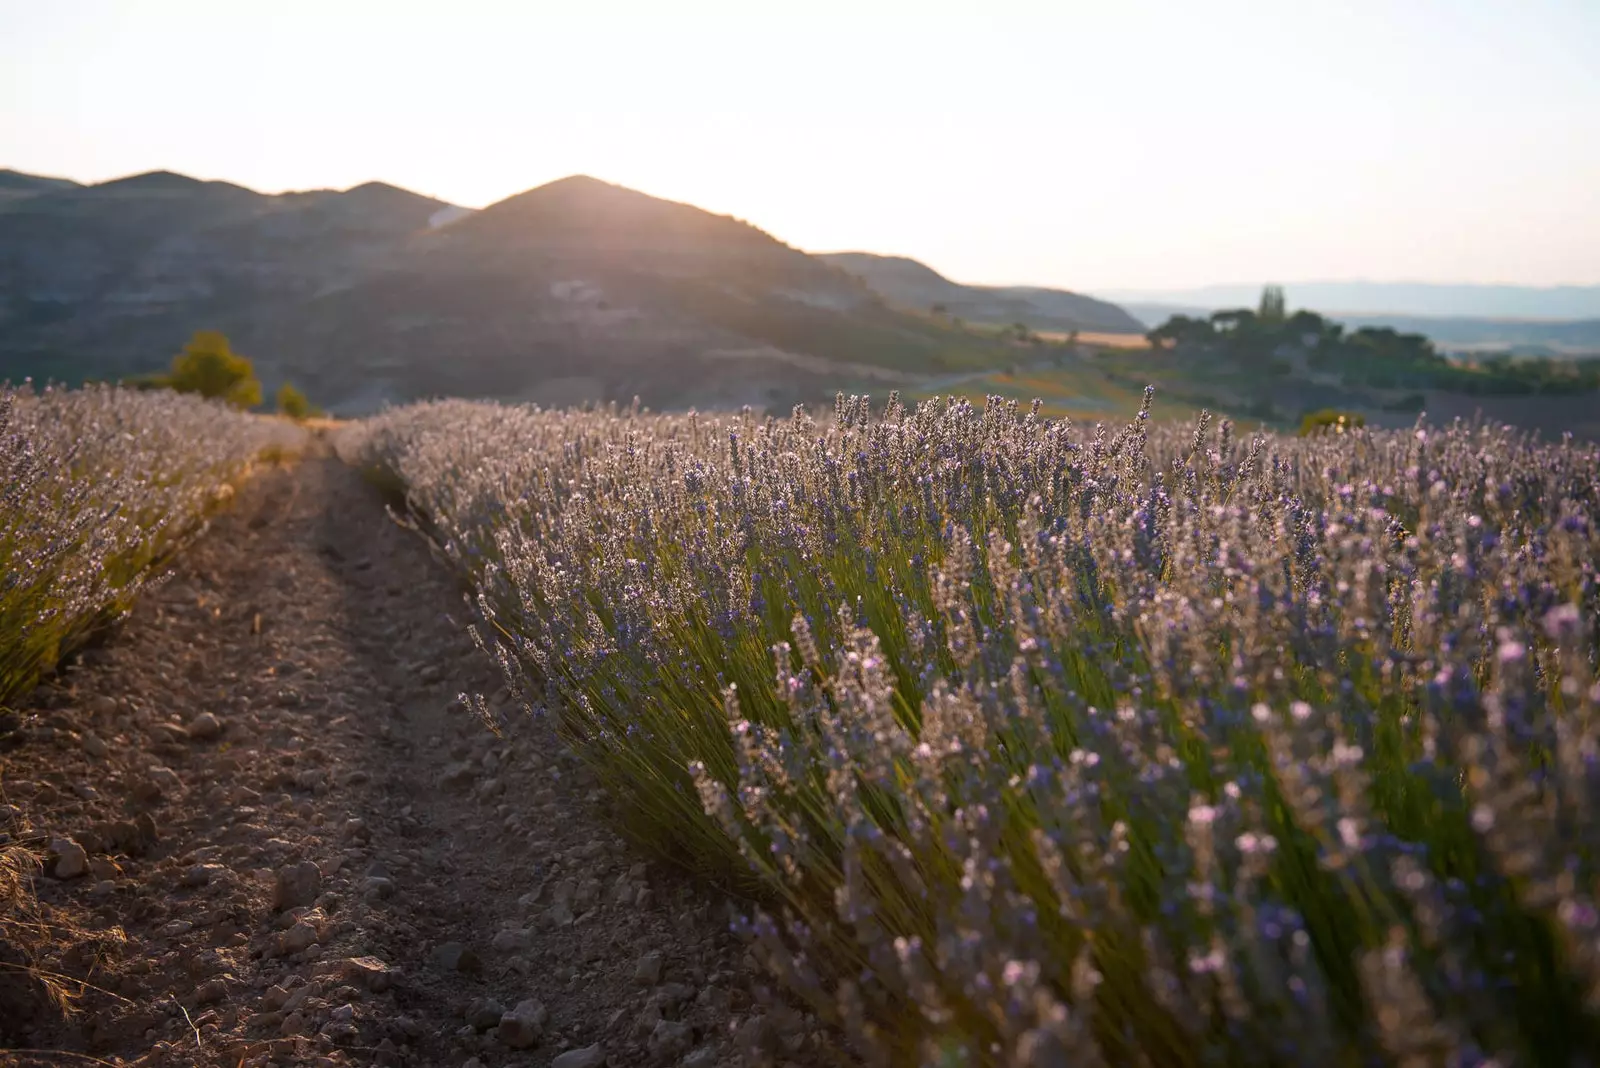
x=1093, y=145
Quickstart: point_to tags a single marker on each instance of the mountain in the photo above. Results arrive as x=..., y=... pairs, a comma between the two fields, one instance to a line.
x=912, y=284
x=574, y=291
x=1384, y=299
x=15, y=184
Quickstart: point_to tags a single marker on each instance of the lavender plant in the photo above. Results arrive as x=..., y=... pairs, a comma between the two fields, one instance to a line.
x=1042, y=747
x=98, y=487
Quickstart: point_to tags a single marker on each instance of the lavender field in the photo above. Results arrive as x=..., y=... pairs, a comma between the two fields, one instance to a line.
x=1044, y=746
x=99, y=487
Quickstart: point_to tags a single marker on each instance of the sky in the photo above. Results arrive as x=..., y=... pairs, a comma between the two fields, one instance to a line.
x=1096, y=145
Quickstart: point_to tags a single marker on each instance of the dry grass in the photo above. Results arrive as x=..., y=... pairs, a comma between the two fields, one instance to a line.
x=1095, y=337
x=24, y=935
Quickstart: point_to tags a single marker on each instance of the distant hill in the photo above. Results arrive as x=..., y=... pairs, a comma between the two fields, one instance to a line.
x=14, y=185
x=1573, y=337
x=577, y=290
x=1388, y=299
x=915, y=285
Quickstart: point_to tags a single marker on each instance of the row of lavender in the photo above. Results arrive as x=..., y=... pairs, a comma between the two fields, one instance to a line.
x=98, y=487
x=1045, y=748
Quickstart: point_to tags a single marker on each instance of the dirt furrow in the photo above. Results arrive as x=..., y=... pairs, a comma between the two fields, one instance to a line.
x=273, y=835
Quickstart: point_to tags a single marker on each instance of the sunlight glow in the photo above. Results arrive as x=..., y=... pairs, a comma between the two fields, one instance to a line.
x=1088, y=145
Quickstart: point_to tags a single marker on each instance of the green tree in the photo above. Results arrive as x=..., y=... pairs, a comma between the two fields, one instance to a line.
x=1274, y=308
x=293, y=403
x=209, y=366
x=1182, y=330
x=1330, y=420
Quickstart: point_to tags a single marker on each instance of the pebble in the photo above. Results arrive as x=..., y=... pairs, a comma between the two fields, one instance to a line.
x=169, y=732
x=211, y=992
x=455, y=957
x=586, y=1057
x=512, y=940
x=670, y=1038
x=94, y=745
x=704, y=1057
x=71, y=859
x=523, y=1025
x=457, y=775
x=205, y=726
x=484, y=1013
x=199, y=874
x=301, y=936
x=371, y=972
x=648, y=970
x=296, y=885
x=164, y=779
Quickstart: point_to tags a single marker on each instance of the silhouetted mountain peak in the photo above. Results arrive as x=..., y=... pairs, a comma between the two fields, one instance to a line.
x=580, y=207
x=18, y=181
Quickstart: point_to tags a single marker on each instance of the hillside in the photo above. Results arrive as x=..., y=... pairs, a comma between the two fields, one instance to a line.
x=577, y=290
x=911, y=284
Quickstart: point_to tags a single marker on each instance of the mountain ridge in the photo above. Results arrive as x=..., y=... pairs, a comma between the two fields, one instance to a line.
x=375, y=294
x=914, y=284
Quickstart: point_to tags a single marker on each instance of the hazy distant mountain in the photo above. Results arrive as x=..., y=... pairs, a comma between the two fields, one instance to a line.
x=915, y=285
x=577, y=290
x=1393, y=298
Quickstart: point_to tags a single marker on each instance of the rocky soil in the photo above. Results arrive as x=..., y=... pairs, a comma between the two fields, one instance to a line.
x=273, y=835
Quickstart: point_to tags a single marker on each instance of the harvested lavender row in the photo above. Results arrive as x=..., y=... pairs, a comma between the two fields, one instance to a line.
x=97, y=487
x=1045, y=748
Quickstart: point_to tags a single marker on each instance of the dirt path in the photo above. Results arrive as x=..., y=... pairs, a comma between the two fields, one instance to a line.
x=316, y=855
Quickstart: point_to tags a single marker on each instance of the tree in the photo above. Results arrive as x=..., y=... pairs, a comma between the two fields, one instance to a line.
x=1181, y=330
x=1273, y=305
x=293, y=403
x=1330, y=420
x=209, y=366
x=1233, y=320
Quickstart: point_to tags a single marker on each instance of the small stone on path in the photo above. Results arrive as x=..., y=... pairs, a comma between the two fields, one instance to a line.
x=205, y=726
x=71, y=859
x=648, y=970
x=371, y=972
x=297, y=885
x=523, y=1025
x=455, y=957
x=586, y=1057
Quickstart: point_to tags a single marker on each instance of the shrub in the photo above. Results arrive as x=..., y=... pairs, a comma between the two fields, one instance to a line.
x=1155, y=747
x=209, y=366
x=1330, y=419
x=293, y=403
